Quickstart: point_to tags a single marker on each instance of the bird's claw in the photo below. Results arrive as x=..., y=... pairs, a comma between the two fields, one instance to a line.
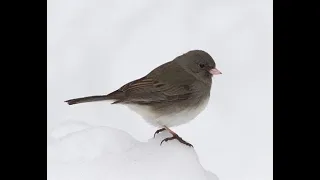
x=158, y=131
x=177, y=138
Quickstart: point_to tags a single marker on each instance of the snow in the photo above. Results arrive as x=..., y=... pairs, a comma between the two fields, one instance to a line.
x=94, y=153
x=95, y=46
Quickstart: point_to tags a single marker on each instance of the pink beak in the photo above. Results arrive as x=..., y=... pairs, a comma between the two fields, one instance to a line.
x=215, y=71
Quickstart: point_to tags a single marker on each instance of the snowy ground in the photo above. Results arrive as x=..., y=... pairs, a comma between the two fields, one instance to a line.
x=94, y=153
x=95, y=46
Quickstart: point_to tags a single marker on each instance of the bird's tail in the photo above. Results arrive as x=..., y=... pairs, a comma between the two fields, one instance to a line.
x=117, y=95
x=87, y=99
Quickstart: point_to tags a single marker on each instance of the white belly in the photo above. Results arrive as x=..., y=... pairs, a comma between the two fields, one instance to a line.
x=169, y=120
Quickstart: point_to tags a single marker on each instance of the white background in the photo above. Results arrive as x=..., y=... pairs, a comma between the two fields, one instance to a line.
x=95, y=46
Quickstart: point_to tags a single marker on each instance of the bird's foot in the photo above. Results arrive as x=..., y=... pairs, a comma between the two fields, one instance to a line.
x=175, y=136
x=158, y=131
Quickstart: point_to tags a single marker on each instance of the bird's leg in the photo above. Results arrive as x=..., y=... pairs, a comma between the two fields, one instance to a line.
x=175, y=136
x=158, y=131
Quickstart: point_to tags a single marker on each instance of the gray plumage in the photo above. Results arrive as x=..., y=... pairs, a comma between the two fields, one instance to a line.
x=180, y=86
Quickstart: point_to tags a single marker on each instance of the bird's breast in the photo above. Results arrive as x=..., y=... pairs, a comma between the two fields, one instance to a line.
x=170, y=115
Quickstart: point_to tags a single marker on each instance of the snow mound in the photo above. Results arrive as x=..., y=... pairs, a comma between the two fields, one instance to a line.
x=95, y=153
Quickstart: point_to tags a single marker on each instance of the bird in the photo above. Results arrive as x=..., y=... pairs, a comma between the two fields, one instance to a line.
x=170, y=95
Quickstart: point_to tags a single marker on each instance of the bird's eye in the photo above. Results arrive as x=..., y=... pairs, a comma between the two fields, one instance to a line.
x=201, y=65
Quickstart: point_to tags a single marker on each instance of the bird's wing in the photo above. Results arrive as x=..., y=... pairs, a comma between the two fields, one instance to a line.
x=162, y=84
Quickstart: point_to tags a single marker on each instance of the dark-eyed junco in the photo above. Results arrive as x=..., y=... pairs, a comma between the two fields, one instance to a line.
x=170, y=95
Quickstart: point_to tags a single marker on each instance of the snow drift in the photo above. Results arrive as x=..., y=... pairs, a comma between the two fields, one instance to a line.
x=83, y=152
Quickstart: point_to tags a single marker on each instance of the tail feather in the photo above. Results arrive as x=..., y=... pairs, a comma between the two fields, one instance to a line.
x=116, y=95
x=86, y=99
